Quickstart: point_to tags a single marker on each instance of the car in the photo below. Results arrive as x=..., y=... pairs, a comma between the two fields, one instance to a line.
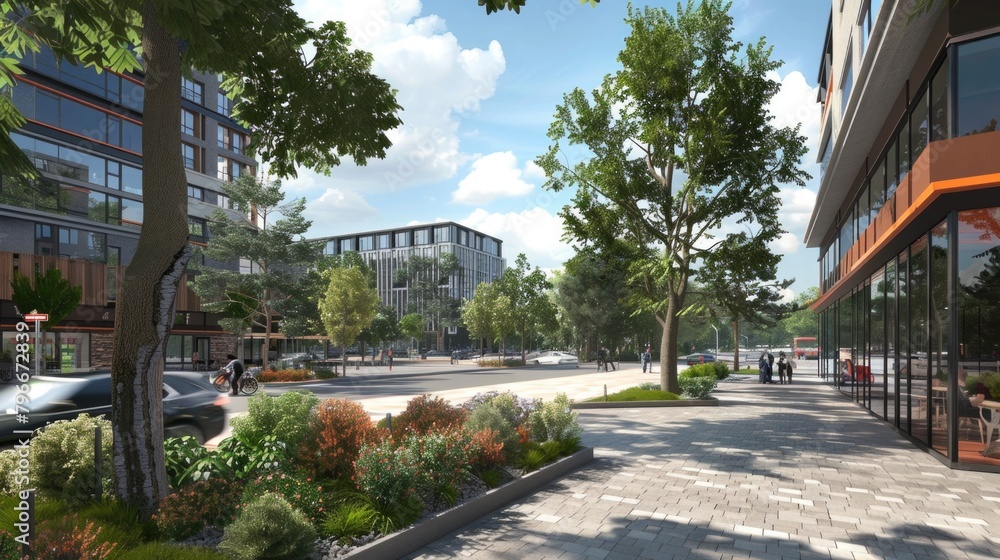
x=462, y=354
x=557, y=358
x=435, y=353
x=191, y=406
x=701, y=358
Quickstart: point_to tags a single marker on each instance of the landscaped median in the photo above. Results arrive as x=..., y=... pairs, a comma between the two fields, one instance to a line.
x=697, y=382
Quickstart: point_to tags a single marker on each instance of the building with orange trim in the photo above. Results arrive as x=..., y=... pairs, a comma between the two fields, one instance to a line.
x=907, y=219
x=85, y=212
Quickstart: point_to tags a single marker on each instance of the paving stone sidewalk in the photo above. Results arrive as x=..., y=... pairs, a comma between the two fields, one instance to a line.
x=775, y=471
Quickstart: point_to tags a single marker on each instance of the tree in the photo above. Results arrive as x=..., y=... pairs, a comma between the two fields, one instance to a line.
x=348, y=307
x=679, y=141
x=412, y=326
x=488, y=314
x=526, y=290
x=426, y=280
x=50, y=293
x=300, y=111
x=515, y=5
x=275, y=248
x=739, y=277
x=383, y=328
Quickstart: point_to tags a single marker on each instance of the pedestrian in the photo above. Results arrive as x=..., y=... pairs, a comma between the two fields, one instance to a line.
x=194, y=360
x=611, y=361
x=782, y=367
x=791, y=366
x=762, y=368
x=646, y=359
x=388, y=355
x=235, y=367
x=602, y=355
x=770, y=366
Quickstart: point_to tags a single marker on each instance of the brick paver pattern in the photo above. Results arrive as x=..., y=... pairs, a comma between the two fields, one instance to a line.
x=776, y=471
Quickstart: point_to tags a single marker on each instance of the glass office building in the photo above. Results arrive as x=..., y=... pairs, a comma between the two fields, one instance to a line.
x=84, y=213
x=907, y=219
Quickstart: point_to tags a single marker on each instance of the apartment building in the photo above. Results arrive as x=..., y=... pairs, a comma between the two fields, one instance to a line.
x=907, y=218
x=84, y=214
x=480, y=259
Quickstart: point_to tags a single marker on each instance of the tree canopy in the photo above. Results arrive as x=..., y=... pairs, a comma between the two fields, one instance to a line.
x=678, y=141
x=49, y=293
x=348, y=306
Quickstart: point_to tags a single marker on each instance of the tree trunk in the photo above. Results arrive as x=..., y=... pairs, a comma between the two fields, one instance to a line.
x=149, y=288
x=668, y=348
x=265, y=359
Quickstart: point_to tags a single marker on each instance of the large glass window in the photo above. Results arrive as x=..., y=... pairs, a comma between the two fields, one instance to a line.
x=192, y=90
x=919, y=127
x=864, y=211
x=919, y=348
x=938, y=324
x=81, y=244
x=891, y=347
x=131, y=213
x=845, y=86
x=878, y=189
x=903, y=322
x=188, y=155
x=891, y=175
x=382, y=241
x=224, y=105
x=864, y=26
x=940, y=127
x=978, y=104
x=187, y=122
x=420, y=237
x=403, y=239
x=366, y=243
x=441, y=234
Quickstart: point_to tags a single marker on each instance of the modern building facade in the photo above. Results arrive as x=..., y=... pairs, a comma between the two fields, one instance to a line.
x=907, y=218
x=84, y=214
x=479, y=256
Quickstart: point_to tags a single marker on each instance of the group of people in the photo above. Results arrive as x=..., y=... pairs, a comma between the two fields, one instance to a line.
x=766, y=367
x=604, y=359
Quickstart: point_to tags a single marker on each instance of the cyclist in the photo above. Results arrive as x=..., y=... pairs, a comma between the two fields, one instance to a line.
x=235, y=368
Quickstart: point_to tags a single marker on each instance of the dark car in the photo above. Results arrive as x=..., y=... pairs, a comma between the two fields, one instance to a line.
x=699, y=359
x=191, y=406
x=462, y=354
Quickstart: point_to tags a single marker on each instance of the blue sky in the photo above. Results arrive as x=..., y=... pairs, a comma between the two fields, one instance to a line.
x=478, y=93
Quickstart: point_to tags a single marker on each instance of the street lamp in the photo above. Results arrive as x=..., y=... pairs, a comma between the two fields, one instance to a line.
x=745, y=337
x=716, y=342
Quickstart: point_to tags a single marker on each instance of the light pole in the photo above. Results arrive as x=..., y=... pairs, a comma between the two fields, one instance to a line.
x=745, y=337
x=716, y=352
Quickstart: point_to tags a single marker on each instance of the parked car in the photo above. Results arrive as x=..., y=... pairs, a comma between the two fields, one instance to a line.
x=462, y=354
x=556, y=358
x=700, y=359
x=191, y=406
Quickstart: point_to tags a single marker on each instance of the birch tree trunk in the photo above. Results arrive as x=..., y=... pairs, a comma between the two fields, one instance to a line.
x=146, y=306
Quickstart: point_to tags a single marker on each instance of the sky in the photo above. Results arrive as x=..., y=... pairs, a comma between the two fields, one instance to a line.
x=478, y=93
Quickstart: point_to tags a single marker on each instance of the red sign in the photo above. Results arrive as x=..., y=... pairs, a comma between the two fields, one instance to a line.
x=36, y=317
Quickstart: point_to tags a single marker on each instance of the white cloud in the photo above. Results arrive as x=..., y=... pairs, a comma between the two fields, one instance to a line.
x=330, y=211
x=494, y=176
x=787, y=244
x=437, y=80
x=534, y=232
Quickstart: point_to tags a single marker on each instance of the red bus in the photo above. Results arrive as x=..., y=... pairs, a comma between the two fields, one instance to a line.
x=805, y=348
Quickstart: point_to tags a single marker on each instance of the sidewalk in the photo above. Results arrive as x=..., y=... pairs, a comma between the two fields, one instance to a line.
x=775, y=471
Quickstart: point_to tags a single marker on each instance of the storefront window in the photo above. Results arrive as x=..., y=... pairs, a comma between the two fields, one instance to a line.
x=919, y=367
x=978, y=106
x=938, y=337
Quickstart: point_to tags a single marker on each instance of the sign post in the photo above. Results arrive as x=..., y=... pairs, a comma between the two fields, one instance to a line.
x=38, y=318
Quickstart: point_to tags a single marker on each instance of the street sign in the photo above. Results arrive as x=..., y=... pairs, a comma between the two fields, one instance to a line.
x=36, y=317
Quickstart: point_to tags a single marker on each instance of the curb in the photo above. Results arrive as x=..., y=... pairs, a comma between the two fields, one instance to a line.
x=401, y=543
x=644, y=404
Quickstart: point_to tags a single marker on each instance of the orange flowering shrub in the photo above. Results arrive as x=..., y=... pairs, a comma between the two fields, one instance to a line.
x=65, y=540
x=427, y=414
x=484, y=451
x=284, y=375
x=337, y=430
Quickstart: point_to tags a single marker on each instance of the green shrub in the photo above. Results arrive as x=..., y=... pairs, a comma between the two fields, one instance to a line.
x=233, y=458
x=487, y=416
x=8, y=465
x=180, y=455
x=338, y=428
x=486, y=452
x=271, y=528
x=350, y=520
x=531, y=459
x=121, y=522
x=386, y=474
x=62, y=458
x=698, y=370
x=286, y=416
x=69, y=538
x=990, y=381
x=425, y=414
x=211, y=502
x=492, y=478
x=442, y=462
x=555, y=420
x=299, y=490
x=514, y=408
x=697, y=387
x=325, y=373
x=722, y=370
x=9, y=548
x=170, y=551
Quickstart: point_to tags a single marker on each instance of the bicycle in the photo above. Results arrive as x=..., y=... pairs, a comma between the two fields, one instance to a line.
x=248, y=382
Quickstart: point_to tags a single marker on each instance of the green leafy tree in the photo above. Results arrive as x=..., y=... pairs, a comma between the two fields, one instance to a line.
x=348, y=306
x=679, y=141
x=300, y=110
x=275, y=248
x=411, y=326
x=515, y=5
x=527, y=291
x=802, y=321
x=426, y=280
x=50, y=293
x=383, y=328
x=740, y=281
x=488, y=314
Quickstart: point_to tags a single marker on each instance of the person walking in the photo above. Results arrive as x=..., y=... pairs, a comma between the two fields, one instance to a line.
x=791, y=366
x=608, y=360
x=782, y=367
x=388, y=356
x=646, y=359
x=602, y=356
x=762, y=368
x=770, y=366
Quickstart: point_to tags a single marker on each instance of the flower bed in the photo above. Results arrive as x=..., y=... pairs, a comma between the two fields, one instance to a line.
x=285, y=375
x=337, y=482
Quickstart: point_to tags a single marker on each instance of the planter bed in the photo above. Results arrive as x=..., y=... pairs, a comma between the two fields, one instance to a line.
x=402, y=543
x=640, y=404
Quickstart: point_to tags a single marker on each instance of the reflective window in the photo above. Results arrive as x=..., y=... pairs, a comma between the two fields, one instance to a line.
x=940, y=128
x=188, y=155
x=978, y=104
x=187, y=122
x=366, y=243
x=919, y=127
x=420, y=237
x=845, y=87
x=192, y=90
x=224, y=105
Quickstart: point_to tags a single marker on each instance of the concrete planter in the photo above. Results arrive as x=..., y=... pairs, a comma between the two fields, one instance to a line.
x=640, y=404
x=399, y=544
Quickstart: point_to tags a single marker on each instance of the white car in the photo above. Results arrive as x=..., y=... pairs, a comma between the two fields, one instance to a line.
x=556, y=358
